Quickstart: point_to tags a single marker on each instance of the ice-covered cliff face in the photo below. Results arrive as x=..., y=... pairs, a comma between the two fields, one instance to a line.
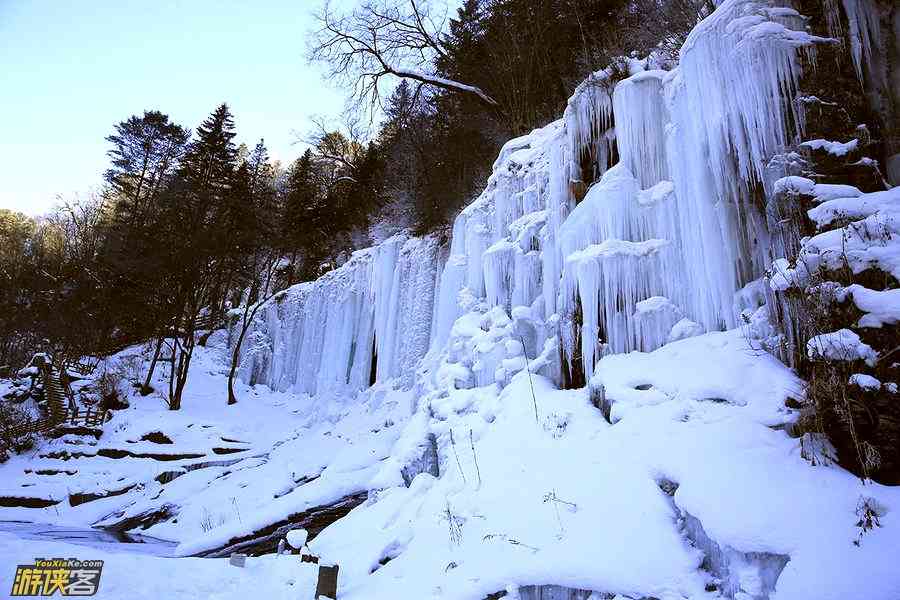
x=670, y=238
x=369, y=320
x=676, y=229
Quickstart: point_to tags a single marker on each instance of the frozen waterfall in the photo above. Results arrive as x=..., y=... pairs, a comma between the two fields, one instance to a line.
x=638, y=210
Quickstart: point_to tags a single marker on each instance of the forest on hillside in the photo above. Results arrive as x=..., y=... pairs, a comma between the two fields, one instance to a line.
x=189, y=224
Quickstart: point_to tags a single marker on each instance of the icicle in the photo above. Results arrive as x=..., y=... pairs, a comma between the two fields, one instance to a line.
x=641, y=117
x=589, y=118
x=317, y=337
x=527, y=277
x=864, y=24
x=610, y=279
x=610, y=210
x=384, y=286
x=498, y=271
x=407, y=330
x=559, y=204
x=739, y=70
x=731, y=103
x=453, y=278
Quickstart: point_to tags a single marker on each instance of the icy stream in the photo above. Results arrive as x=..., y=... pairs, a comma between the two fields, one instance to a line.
x=102, y=539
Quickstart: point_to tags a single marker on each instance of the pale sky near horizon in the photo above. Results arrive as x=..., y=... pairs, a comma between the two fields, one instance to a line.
x=70, y=70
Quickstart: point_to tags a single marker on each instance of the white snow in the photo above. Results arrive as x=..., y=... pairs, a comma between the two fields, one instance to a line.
x=881, y=307
x=684, y=329
x=495, y=502
x=795, y=184
x=856, y=207
x=141, y=577
x=833, y=148
x=865, y=382
x=840, y=345
x=297, y=538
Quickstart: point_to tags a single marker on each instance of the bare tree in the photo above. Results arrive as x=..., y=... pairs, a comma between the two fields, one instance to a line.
x=337, y=148
x=385, y=38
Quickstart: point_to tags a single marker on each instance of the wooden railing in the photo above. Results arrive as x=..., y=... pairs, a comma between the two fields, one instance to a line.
x=87, y=417
x=61, y=407
x=82, y=367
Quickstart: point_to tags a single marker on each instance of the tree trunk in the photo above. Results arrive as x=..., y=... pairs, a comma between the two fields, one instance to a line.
x=246, y=320
x=146, y=389
x=172, y=405
x=235, y=355
x=232, y=399
x=184, y=365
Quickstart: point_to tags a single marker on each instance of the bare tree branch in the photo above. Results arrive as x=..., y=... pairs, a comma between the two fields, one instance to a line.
x=385, y=38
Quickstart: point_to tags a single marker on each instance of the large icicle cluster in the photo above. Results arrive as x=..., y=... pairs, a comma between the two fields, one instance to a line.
x=369, y=320
x=641, y=117
x=501, y=249
x=589, y=121
x=864, y=30
x=671, y=233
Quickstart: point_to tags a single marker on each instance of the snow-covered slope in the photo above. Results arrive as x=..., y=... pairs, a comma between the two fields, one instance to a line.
x=573, y=501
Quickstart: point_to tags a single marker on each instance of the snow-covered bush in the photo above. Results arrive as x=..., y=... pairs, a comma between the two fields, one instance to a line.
x=112, y=387
x=13, y=420
x=832, y=297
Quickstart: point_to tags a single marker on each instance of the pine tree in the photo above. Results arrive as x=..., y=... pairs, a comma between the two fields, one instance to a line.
x=211, y=158
x=200, y=252
x=145, y=152
x=304, y=227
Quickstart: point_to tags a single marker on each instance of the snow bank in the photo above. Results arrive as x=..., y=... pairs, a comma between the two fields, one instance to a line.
x=573, y=501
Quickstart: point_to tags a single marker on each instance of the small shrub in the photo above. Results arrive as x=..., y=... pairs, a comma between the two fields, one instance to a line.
x=130, y=368
x=13, y=419
x=206, y=523
x=556, y=424
x=454, y=525
x=869, y=512
x=111, y=386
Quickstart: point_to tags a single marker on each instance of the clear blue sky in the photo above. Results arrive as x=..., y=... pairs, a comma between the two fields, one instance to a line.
x=71, y=69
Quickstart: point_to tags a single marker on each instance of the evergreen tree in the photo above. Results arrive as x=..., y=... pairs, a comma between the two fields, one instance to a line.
x=145, y=152
x=211, y=158
x=300, y=230
x=200, y=253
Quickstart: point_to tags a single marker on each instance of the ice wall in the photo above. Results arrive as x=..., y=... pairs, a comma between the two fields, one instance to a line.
x=369, y=320
x=677, y=219
x=639, y=209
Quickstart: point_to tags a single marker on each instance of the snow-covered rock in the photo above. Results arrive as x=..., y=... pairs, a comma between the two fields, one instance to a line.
x=297, y=538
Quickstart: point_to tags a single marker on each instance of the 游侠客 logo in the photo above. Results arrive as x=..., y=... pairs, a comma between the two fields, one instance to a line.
x=68, y=576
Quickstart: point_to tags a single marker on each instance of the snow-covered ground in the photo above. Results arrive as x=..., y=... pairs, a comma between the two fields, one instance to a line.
x=574, y=501
x=532, y=490
x=228, y=469
x=133, y=575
